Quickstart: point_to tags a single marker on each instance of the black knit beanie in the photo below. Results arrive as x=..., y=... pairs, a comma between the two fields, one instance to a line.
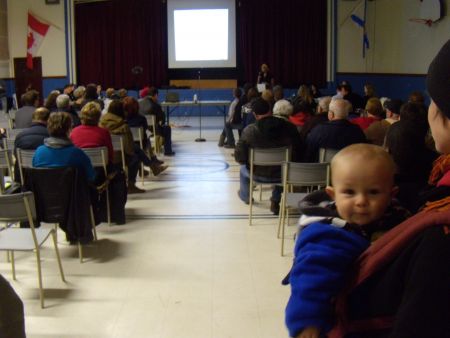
x=438, y=79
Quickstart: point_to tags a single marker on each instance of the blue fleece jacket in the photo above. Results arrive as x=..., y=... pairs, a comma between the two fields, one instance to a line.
x=323, y=255
x=69, y=156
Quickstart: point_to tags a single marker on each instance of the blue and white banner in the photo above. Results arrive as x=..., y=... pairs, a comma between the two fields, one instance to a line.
x=359, y=17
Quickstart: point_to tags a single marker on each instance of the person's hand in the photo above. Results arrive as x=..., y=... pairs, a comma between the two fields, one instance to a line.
x=310, y=332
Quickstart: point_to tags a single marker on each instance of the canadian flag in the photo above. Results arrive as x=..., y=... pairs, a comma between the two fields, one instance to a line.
x=36, y=33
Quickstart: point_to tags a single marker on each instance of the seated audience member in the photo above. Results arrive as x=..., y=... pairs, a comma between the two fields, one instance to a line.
x=110, y=93
x=34, y=136
x=122, y=93
x=150, y=105
x=12, y=318
x=30, y=101
x=268, y=97
x=89, y=134
x=247, y=112
x=59, y=151
x=305, y=95
x=337, y=133
x=374, y=112
x=283, y=109
x=320, y=117
x=78, y=93
x=68, y=90
x=63, y=105
x=315, y=91
x=50, y=101
x=417, y=97
x=392, y=108
x=234, y=121
x=369, y=92
x=114, y=121
x=134, y=119
x=278, y=93
x=376, y=131
x=356, y=100
x=92, y=94
x=335, y=230
x=302, y=113
x=267, y=132
x=265, y=76
x=404, y=275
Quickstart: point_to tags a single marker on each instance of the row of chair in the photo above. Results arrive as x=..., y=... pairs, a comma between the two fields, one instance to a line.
x=309, y=176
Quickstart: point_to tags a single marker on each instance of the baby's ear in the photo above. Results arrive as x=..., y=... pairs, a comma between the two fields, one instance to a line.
x=394, y=191
x=330, y=191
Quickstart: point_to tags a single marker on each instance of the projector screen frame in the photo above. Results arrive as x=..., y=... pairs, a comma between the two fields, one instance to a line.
x=173, y=5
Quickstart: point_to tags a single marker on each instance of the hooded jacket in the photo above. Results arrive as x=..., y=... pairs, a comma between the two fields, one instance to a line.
x=269, y=132
x=118, y=126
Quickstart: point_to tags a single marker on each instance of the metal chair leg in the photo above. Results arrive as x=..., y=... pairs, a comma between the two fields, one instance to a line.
x=80, y=252
x=13, y=264
x=108, y=207
x=260, y=192
x=58, y=257
x=93, y=222
x=41, y=290
x=250, y=205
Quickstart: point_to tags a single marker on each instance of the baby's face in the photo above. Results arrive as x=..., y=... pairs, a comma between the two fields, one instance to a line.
x=362, y=191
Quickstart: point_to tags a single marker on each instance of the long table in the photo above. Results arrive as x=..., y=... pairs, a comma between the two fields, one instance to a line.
x=221, y=105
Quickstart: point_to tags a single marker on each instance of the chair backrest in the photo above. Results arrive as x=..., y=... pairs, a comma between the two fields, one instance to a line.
x=117, y=143
x=151, y=121
x=8, y=144
x=12, y=133
x=269, y=156
x=137, y=133
x=5, y=159
x=327, y=154
x=14, y=207
x=4, y=104
x=306, y=174
x=24, y=160
x=98, y=156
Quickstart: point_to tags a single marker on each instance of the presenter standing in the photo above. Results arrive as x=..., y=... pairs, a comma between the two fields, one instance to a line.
x=265, y=76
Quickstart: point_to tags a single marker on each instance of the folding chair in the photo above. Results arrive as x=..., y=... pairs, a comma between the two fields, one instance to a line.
x=5, y=163
x=98, y=157
x=157, y=140
x=327, y=154
x=138, y=136
x=21, y=207
x=117, y=143
x=59, y=201
x=265, y=157
x=8, y=143
x=309, y=175
x=24, y=160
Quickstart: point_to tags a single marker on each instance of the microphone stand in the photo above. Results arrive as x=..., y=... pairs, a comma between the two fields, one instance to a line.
x=200, y=138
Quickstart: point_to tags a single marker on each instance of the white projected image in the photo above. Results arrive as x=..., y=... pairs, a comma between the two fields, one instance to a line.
x=201, y=34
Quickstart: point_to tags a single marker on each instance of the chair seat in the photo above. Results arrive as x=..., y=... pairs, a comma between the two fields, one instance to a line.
x=292, y=199
x=22, y=239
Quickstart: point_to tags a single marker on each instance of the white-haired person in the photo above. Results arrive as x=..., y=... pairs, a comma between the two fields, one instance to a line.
x=283, y=109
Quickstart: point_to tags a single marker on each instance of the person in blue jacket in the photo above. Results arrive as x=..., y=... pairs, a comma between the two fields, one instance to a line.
x=335, y=231
x=59, y=151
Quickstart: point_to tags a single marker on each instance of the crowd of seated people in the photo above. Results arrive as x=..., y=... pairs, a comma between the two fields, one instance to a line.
x=306, y=123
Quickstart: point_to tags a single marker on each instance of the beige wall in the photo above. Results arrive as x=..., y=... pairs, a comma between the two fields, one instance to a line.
x=4, y=52
x=397, y=45
x=53, y=48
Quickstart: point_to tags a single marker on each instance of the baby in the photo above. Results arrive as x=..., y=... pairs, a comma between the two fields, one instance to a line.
x=329, y=242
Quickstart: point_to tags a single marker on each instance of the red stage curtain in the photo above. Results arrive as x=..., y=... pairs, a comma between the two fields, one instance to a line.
x=114, y=36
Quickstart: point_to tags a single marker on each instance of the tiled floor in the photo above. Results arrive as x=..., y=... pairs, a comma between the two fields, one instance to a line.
x=186, y=264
